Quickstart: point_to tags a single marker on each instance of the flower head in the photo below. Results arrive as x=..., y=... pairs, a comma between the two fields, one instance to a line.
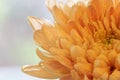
x=83, y=43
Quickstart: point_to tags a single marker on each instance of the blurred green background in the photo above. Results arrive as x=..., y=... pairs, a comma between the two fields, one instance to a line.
x=16, y=36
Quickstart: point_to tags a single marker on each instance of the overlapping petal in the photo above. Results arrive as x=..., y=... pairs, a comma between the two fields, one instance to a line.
x=83, y=43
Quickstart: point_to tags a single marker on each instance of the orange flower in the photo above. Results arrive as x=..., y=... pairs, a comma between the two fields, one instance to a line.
x=82, y=44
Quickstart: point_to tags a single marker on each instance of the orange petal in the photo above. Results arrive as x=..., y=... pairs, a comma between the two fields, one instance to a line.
x=101, y=6
x=75, y=35
x=83, y=68
x=98, y=72
x=65, y=44
x=82, y=60
x=66, y=77
x=57, y=12
x=91, y=55
x=117, y=62
x=97, y=63
x=41, y=40
x=104, y=76
x=115, y=75
x=77, y=11
x=37, y=71
x=112, y=56
x=92, y=14
x=58, y=51
x=77, y=51
x=64, y=61
x=109, y=12
x=117, y=13
x=55, y=67
x=43, y=55
x=75, y=75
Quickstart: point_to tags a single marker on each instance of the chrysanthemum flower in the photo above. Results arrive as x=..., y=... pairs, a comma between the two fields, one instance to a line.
x=83, y=43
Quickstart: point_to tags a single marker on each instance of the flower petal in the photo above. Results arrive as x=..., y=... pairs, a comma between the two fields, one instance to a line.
x=55, y=67
x=37, y=23
x=117, y=62
x=66, y=77
x=92, y=12
x=75, y=75
x=83, y=68
x=115, y=75
x=77, y=51
x=57, y=12
x=43, y=55
x=62, y=52
x=64, y=61
x=101, y=6
x=99, y=71
x=38, y=71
